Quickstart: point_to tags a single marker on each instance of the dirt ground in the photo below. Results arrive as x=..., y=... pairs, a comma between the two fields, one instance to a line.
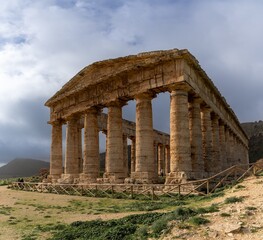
x=21, y=213
x=235, y=221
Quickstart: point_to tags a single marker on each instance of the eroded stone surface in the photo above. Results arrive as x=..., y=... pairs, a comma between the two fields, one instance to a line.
x=206, y=136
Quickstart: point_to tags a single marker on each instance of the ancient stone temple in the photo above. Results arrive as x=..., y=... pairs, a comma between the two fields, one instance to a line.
x=205, y=135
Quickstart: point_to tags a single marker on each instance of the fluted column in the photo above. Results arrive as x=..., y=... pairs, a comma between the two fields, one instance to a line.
x=133, y=154
x=180, y=148
x=207, y=139
x=114, y=154
x=161, y=169
x=91, y=147
x=231, y=148
x=222, y=140
x=167, y=160
x=196, y=137
x=72, y=150
x=145, y=165
x=56, y=165
x=215, y=144
x=228, y=150
x=80, y=155
x=125, y=156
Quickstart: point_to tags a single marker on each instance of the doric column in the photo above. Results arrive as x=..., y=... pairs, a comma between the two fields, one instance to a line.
x=180, y=148
x=207, y=139
x=161, y=169
x=222, y=140
x=56, y=165
x=91, y=147
x=228, y=150
x=145, y=165
x=215, y=144
x=133, y=154
x=196, y=137
x=167, y=160
x=231, y=148
x=114, y=154
x=80, y=157
x=72, y=150
x=125, y=156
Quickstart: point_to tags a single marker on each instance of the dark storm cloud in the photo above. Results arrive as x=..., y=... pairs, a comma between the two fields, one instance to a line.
x=44, y=43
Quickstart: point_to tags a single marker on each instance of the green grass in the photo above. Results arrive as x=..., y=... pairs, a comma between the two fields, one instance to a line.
x=225, y=215
x=233, y=200
x=139, y=226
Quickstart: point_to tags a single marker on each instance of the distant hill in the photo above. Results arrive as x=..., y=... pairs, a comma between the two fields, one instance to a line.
x=254, y=130
x=20, y=167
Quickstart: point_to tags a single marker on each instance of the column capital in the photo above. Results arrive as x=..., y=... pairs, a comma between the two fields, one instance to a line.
x=73, y=117
x=195, y=100
x=116, y=103
x=179, y=88
x=57, y=122
x=145, y=95
x=93, y=110
x=215, y=117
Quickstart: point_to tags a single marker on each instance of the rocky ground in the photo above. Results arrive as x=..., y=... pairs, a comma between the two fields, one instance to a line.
x=238, y=220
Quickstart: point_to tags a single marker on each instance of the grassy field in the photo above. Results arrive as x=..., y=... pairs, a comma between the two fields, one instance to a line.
x=29, y=215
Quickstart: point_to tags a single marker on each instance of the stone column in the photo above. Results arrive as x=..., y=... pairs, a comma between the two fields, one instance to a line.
x=56, y=165
x=125, y=156
x=91, y=162
x=180, y=148
x=133, y=160
x=145, y=166
x=215, y=144
x=196, y=138
x=161, y=169
x=114, y=154
x=231, y=148
x=155, y=151
x=72, y=150
x=228, y=150
x=207, y=139
x=222, y=140
x=80, y=157
x=167, y=160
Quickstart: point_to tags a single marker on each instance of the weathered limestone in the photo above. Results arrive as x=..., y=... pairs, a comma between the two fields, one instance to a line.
x=205, y=134
x=125, y=156
x=133, y=151
x=207, y=139
x=72, y=151
x=91, y=147
x=167, y=160
x=161, y=159
x=180, y=149
x=196, y=137
x=222, y=140
x=56, y=152
x=145, y=164
x=114, y=155
x=215, y=144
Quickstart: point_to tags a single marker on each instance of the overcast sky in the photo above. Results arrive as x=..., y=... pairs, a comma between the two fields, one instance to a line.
x=43, y=43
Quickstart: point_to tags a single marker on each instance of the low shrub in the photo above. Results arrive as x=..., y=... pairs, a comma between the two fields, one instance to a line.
x=233, y=200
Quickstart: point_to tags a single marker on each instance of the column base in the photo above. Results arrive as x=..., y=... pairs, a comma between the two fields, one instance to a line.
x=113, y=177
x=177, y=177
x=68, y=178
x=52, y=178
x=144, y=177
x=88, y=178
